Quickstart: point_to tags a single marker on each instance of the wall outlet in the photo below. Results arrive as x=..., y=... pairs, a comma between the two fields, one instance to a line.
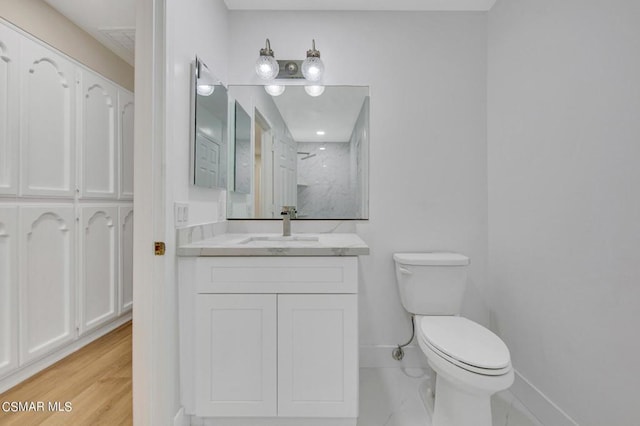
x=180, y=214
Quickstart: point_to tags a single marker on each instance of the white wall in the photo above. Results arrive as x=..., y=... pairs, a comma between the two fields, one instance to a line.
x=564, y=227
x=193, y=27
x=427, y=73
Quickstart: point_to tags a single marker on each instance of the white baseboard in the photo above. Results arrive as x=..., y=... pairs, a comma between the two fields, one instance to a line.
x=380, y=356
x=27, y=371
x=538, y=404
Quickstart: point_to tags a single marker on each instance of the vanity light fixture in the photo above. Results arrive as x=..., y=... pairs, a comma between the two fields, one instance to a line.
x=266, y=66
x=312, y=67
x=275, y=89
x=314, y=90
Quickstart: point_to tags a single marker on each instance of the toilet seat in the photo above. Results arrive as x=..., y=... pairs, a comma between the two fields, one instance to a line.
x=465, y=344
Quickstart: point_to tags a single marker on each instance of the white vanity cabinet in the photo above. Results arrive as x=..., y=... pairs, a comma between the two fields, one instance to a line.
x=270, y=339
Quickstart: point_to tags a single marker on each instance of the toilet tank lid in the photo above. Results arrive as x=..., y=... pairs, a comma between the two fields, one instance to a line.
x=431, y=259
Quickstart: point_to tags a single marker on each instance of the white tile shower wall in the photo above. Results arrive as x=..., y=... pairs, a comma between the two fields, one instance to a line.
x=324, y=184
x=564, y=235
x=428, y=188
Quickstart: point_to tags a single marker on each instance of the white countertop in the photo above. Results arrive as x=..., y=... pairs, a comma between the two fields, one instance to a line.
x=323, y=244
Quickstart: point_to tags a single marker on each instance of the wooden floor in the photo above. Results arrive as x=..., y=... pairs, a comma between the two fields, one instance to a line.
x=96, y=381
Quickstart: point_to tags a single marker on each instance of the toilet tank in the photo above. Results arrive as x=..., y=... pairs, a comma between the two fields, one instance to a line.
x=431, y=283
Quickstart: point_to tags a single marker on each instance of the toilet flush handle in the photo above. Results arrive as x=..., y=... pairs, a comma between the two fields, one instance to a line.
x=405, y=271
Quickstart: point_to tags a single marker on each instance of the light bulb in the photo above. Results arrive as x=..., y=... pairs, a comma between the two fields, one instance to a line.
x=314, y=90
x=312, y=68
x=274, y=89
x=205, y=89
x=267, y=67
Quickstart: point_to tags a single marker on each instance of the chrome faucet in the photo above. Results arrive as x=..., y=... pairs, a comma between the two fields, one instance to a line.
x=288, y=213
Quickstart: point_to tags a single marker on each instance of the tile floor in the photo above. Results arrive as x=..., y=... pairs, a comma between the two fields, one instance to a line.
x=389, y=397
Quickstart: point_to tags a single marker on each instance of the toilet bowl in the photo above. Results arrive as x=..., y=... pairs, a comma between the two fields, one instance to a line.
x=471, y=363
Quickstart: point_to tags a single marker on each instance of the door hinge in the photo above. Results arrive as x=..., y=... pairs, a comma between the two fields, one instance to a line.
x=159, y=248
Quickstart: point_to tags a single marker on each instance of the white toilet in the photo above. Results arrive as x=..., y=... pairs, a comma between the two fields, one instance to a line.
x=471, y=363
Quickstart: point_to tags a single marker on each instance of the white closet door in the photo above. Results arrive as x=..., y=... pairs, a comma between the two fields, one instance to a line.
x=8, y=290
x=99, y=144
x=98, y=272
x=318, y=355
x=47, y=123
x=9, y=110
x=125, y=115
x=47, y=269
x=126, y=258
x=236, y=355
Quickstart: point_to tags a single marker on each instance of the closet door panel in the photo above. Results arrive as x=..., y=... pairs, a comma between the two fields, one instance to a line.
x=9, y=109
x=126, y=258
x=47, y=122
x=99, y=144
x=126, y=110
x=47, y=285
x=98, y=276
x=8, y=291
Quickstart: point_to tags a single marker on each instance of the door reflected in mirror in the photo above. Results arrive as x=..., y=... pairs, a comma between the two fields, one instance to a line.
x=300, y=150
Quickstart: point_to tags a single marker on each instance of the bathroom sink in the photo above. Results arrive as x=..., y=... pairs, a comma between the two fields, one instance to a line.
x=279, y=239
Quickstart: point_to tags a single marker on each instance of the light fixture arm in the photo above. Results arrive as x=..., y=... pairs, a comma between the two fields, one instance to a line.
x=313, y=53
x=267, y=49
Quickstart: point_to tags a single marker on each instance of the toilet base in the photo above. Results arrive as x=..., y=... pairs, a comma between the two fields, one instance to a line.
x=456, y=407
x=425, y=393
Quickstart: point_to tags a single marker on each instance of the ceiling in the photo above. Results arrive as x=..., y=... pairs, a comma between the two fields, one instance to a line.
x=112, y=22
x=334, y=112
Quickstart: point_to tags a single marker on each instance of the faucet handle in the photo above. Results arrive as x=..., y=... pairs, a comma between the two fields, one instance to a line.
x=289, y=210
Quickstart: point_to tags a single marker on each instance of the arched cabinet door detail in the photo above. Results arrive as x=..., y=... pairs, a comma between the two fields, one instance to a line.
x=47, y=122
x=99, y=144
x=47, y=299
x=126, y=111
x=9, y=109
x=126, y=259
x=98, y=271
x=8, y=291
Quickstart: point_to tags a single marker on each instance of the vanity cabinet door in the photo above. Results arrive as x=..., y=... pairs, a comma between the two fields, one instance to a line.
x=318, y=355
x=236, y=355
x=8, y=290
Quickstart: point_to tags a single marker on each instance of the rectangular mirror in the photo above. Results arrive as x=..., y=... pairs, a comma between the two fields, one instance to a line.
x=297, y=149
x=209, y=129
